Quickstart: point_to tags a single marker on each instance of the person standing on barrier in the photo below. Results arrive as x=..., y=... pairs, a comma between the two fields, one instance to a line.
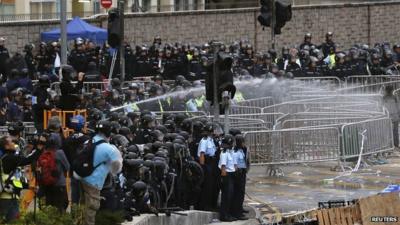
x=391, y=103
x=69, y=99
x=227, y=166
x=40, y=101
x=207, y=158
x=240, y=156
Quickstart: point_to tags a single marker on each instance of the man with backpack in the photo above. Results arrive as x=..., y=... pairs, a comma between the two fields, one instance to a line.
x=71, y=146
x=51, y=169
x=11, y=179
x=92, y=165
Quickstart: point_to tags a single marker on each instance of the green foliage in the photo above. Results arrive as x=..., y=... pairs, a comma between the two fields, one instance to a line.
x=105, y=217
x=51, y=216
x=46, y=216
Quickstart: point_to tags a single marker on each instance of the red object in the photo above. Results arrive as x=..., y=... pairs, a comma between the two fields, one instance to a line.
x=106, y=3
x=47, y=168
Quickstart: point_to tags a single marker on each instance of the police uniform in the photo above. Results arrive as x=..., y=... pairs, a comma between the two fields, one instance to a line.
x=4, y=56
x=210, y=190
x=240, y=157
x=79, y=60
x=227, y=189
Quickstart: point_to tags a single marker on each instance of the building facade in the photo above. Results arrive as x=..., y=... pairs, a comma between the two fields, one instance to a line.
x=13, y=10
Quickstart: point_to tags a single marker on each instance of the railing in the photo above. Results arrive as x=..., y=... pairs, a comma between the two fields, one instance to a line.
x=275, y=147
x=379, y=137
x=41, y=16
x=316, y=144
x=29, y=129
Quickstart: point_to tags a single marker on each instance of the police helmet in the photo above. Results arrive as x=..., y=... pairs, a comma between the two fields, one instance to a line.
x=96, y=114
x=125, y=131
x=228, y=140
x=162, y=128
x=44, y=81
x=375, y=56
x=209, y=127
x=125, y=121
x=307, y=35
x=15, y=128
x=115, y=82
x=234, y=131
x=329, y=34
x=139, y=189
x=146, y=119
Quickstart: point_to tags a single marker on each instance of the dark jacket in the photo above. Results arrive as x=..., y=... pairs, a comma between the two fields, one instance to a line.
x=69, y=99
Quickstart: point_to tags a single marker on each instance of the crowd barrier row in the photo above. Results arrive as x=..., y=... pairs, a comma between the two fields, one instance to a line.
x=308, y=145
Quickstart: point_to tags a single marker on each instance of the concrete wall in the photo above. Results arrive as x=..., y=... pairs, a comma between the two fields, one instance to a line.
x=351, y=23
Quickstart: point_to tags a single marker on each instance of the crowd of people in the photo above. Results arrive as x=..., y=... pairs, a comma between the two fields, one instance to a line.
x=131, y=160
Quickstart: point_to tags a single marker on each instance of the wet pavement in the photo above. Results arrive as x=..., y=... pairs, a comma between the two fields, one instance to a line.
x=303, y=186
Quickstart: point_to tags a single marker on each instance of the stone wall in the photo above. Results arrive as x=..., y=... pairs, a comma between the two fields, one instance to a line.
x=351, y=23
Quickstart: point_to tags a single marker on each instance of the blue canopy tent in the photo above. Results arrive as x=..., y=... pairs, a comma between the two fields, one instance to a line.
x=78, y=28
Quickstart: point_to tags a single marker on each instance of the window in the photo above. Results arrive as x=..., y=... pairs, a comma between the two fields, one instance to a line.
x=43, y=10
x=7, y=9
x=146, y=5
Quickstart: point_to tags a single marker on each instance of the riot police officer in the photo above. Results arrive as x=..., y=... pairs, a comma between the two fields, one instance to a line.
x=143, y=135
x=307, y=41
x=78, y=58
x=293, y=66
x=246, y=62
x=4, y=56
x=40, y=101
x=312, y=69
x=29, y=59
x=340, y=69
x=374, y=67
x=328, y=46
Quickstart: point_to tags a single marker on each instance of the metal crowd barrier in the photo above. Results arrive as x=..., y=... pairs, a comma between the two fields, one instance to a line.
x=370, y=88
x=287, y=146
x=29, y=129
x=197, y=114
x=368, y=79
x=324, y=80
x=301, y=123
x=268, y=118
x=258, y=102
x=327, y=142
x=379, y=137
x=235, y=110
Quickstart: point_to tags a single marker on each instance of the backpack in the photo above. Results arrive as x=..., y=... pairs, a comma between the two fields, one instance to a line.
x=46, y=167
x=83, y=162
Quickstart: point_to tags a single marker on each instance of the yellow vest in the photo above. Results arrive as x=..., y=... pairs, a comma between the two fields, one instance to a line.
x=238, y=97
x=332, y=61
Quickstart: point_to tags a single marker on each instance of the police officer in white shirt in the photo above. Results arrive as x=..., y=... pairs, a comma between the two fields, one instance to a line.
x=240, y=155
x=207, y=158
x=227, y=166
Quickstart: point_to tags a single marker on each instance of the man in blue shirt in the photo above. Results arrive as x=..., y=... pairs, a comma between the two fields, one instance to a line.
x=109, y=160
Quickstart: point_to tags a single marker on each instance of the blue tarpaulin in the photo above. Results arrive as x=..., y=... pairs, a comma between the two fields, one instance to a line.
x=78, y=28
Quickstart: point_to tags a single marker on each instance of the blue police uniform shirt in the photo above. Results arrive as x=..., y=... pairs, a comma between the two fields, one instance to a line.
x=228, y=160
x=207, y=146
x=240, y=158
x=103, y=153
